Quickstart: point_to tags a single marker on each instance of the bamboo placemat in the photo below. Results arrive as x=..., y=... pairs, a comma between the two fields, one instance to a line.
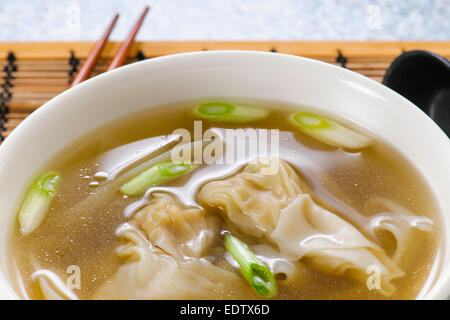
x=33, y=73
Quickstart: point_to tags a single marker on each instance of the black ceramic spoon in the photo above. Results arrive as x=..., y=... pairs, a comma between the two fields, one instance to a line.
x=423, y=78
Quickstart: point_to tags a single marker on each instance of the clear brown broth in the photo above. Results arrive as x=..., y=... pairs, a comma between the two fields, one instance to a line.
x=89, y=240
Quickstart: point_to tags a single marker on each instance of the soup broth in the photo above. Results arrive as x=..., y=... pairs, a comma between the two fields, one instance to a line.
x=81, y=232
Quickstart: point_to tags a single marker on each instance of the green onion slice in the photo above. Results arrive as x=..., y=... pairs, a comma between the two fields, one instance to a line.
x=158, y=174
x=328, y=131
x=227, y=112
x=38, y=201
x=257, y=274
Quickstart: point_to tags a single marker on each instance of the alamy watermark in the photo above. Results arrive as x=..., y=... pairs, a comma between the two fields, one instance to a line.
x=374, y=277
x=373, y=21
x=73, y=281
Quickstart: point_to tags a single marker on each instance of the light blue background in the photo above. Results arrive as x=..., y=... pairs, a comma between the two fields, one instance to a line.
x=71, y=20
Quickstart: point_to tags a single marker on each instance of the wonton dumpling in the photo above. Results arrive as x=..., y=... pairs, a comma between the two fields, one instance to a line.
x=149, y=273
x=276, y=207
x=306, y=230
x=250, y=200
x=177, y=230
x=163, y=245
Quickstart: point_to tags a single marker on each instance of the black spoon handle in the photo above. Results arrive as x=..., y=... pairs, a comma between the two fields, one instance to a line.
x=423, y=78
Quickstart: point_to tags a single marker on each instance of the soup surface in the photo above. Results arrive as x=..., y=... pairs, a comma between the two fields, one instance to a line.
x=98, y=241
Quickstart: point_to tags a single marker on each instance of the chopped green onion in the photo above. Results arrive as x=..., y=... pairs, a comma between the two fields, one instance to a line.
x=158, y=174
x=328, y=131
x=226, y=112
x=257, y=274
x=38, y=201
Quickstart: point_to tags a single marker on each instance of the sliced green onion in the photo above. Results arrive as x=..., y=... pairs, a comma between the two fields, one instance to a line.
x=257, y=274
x=226, y=112
x=328, y=131
x=38, y=201
x=158, y=174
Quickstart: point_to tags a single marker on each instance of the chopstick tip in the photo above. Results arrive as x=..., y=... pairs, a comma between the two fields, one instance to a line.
x=146, y=9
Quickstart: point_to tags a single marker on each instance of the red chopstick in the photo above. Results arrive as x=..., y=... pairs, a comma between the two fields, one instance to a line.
x=94, y=54
x=122, y=52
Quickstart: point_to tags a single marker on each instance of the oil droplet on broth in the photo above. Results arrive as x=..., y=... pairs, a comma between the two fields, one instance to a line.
x=100, y=176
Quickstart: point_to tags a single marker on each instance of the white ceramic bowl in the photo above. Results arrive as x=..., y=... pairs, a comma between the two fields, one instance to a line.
x=246, y=74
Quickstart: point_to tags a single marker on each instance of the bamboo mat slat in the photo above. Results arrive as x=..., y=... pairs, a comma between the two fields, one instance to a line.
x=33, y=73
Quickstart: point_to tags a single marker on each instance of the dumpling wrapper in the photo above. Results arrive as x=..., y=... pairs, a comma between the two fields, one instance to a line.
x=306, y=230
x=250, y=200
x=276, y=207
x=149, y=273
x=177, y=230
x=401, y=223
x=161, y=254
x=292, y=272
x=51, y=286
